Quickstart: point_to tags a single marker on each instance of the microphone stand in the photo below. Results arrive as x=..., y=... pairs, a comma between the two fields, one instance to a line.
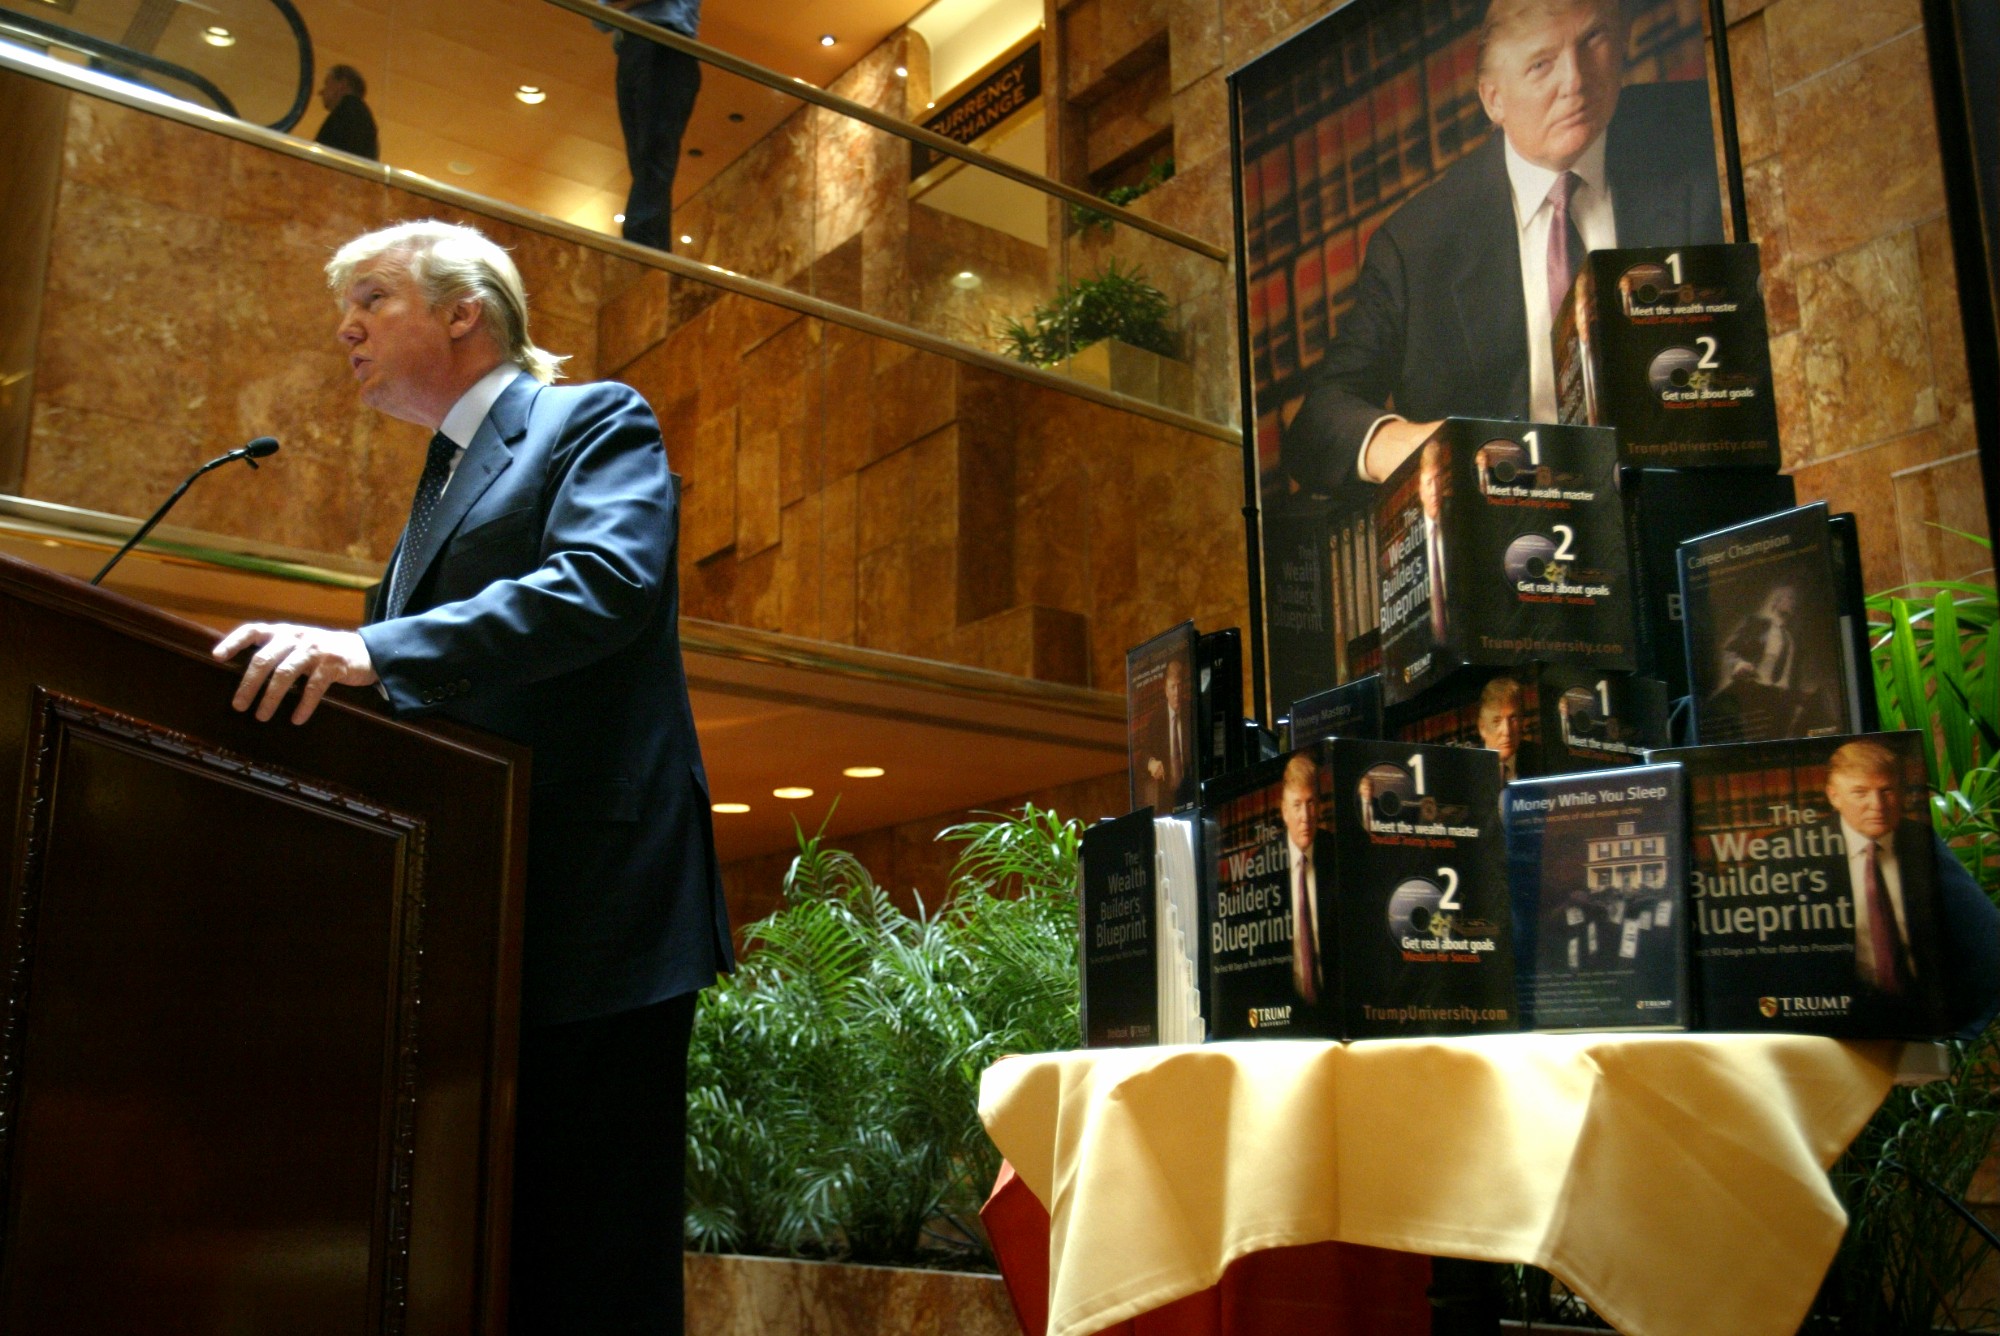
x=249, y=454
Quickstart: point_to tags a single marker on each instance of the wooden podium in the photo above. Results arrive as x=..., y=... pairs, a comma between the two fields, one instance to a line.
x=257, y=1063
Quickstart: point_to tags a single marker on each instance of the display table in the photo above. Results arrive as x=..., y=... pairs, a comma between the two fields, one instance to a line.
x=1676, y=1182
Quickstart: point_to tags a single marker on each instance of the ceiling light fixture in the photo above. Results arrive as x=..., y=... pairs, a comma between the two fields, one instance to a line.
x=530, y=94
x=929, y=105
x=792, y=793
x=826, y=39
x=736, y=118
x=694, y=153
x=965, y=280
x=902, y=72
x=459, y=168
x=864, y=772
x=729, y=809
x=617, y=217
x=218, y=37
x=686, y=240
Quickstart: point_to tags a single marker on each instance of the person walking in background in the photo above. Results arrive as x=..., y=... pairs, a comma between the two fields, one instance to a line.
x=656, y=91
x=349, y=125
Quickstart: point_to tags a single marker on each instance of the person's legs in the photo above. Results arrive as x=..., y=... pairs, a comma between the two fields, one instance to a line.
x=600, y=1152
x=656, y=92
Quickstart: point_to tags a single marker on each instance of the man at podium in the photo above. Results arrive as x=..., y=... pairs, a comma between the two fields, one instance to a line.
x=534, y=594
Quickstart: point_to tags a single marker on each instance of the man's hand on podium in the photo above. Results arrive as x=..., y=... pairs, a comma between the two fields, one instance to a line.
x=289, y=653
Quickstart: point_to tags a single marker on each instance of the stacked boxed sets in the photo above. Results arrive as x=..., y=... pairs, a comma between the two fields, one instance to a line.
x=1183, y=714
x=1357, y=893
x=1542, y=719
x=1500, y=543
x=1669, y=345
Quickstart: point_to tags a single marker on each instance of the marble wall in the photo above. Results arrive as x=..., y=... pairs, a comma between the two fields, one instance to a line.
x=840, y=486
x=1845, y=195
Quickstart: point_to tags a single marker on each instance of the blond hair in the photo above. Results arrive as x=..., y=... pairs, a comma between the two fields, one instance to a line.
x=450, y=262
x=1863, y=757
x=1504, y=17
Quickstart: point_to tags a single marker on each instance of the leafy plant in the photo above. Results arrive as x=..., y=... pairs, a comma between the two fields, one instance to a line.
x=1085, y=219
x=1114, y=304
x=1937, y=670
x=833, y=1081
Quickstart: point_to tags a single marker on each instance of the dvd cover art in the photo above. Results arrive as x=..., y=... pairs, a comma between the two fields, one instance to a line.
x=1117, y=965
x=1500, y=543
x=1539, y=718
x=1596, y=865
x=1770, y=640
x=1161, y=721
x=1669, y=345
x=1664, y=508
x=1358, y=894
x=1813, y=883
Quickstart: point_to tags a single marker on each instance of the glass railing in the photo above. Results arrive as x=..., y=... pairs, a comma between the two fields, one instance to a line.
x=251, y=59
x=837, y=192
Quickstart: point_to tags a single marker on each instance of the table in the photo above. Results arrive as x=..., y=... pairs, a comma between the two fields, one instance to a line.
x=1675, y=1181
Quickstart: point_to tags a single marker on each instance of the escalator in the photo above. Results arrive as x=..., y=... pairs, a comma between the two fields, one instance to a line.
x=250, y=59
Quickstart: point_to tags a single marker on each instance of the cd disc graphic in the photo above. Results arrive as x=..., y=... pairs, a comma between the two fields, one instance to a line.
x=1502, y=463
x=1529, y=557
x=1645, y=285
x=1579, y=713
x=1413, y=908
x=1673, y=369
x=1387, y=790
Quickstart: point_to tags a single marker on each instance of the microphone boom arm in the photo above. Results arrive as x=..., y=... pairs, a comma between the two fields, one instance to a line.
x=249, y=454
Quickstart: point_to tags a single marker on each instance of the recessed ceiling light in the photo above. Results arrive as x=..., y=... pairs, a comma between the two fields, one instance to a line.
x=729, y=809
x=686, y=240
x=902, y=72
x=617, y=217
x=459, y=168
x=218, y=37
x=826, y=39
x=792, y=793
x=864, y=772
x=530, y=94
x=694, y=153
x=929, y=105
x=965, y=280
x=736, y=118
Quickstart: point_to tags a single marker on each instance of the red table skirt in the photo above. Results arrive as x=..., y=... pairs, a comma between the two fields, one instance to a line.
x=1339, y=1289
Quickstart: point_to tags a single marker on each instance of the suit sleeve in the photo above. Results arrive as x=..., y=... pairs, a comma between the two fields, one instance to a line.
x=1357, y=377
x=606, y=548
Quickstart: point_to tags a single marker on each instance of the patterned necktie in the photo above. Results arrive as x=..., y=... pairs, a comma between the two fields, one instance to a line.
x=1881, y=927
x=1305, y=965
x=437, y=468
x=1565, y=242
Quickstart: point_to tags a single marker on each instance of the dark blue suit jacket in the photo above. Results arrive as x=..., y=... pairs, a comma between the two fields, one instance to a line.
x=1437, y=328
x=545, y=610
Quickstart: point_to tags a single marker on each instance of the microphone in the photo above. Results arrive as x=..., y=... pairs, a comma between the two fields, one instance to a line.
x=261, y=448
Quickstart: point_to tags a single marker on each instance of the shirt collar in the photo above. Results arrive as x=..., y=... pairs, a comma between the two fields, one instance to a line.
x=1532, y=184
x=462, y=423
x=1856, y=841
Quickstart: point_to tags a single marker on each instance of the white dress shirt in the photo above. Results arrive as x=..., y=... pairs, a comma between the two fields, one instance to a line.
x=1299, y=856
x=1891, y=879
x=460, y=425
x=1591, y=209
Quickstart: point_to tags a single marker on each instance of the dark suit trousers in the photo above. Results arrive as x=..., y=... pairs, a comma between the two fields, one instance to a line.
x=656, y=92
x=600, y=1155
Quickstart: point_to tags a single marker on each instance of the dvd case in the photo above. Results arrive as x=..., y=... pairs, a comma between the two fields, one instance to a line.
x=1669, y=345
x=1813, y=881
x=1498, y=543
x=1597, y=869
x=1162, y=721
x=1358, y=892
x=1540, y=718
x=1663, y=509
x=1775, y=630
x=1351, y=711
x=1219, y=701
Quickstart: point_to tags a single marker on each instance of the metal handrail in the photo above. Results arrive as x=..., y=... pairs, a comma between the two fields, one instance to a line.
x=715, y=276
x=917, y=134
x=41, y=30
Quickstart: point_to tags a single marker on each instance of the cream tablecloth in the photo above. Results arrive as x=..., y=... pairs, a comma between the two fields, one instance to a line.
x=1676, y=1182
